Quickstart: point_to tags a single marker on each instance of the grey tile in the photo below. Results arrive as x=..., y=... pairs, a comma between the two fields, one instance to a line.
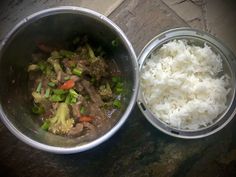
x=214, y=16
x=12, y=11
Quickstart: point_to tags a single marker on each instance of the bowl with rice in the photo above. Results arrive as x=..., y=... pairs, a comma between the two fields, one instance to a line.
x=187, y=83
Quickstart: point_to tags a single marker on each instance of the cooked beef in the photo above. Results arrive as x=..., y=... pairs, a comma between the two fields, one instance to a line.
x=84, y=62
x=90, y=129
x=79, y=87
x=89, y=133
x=77, y=130
x=96, y=111
x=75, y=78
x=75, y=110
x=101, y=120
x=95, y=97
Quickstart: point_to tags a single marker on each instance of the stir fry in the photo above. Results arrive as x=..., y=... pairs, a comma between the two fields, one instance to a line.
x=74, y=92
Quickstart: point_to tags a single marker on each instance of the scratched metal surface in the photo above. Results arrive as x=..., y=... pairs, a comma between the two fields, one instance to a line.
x=138, y=149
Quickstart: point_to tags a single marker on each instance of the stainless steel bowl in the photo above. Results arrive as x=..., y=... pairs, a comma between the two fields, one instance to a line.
x=57, y=24
x=198, y=38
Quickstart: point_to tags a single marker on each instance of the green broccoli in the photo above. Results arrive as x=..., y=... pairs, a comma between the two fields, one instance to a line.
x=105, y=91
x=91, y=54
x=38, y=98
x=61, y=123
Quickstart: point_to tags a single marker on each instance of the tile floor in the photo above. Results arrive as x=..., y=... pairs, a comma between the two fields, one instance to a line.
x=214, y=16
x=12, y=11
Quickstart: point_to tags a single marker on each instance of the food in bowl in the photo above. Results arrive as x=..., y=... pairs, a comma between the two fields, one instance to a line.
x=75, y=93
x=185, y=85
x=63, y=24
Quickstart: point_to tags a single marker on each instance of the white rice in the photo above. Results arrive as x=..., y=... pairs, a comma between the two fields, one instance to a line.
x=182, y=87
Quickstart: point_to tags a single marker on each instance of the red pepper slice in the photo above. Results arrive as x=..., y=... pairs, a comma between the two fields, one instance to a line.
x=68, y=85
x=85, y=119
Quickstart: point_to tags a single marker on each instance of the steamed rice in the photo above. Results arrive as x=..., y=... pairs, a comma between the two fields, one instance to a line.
x=182, y=87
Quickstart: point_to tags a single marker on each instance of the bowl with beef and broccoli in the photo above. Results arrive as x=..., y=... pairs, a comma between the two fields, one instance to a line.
x=69, y=79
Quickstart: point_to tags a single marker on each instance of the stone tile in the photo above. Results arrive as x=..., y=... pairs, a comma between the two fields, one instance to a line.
x=143, y=20
x=185, y=9
x=104, y=7
x=214, y=16
x=189, y=10
x=221, y=22
x=13, y=11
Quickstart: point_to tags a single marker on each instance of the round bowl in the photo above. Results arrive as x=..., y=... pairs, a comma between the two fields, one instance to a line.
x=197, y=38
x=58, y=24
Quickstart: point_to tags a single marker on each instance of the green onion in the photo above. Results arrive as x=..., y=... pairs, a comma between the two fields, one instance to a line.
x=58, y=91
x=82, y=110
x=118, y=90
x=119, y=85
x=57, y=98
x=51, y=84
x=45, y=126
x=68, y=99
x=73, y=100
x=77, y=71
x=115, y=79
x=67, y=78
x=39, y=87
x=73, y=93
x=47, y=94
x=38, y=109
x=115, y=42
x=117, y=104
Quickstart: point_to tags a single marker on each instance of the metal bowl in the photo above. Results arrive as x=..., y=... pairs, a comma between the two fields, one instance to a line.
x=57, y=24
x=198, y=38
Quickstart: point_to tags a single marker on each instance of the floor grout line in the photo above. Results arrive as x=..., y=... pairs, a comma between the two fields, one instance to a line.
x=167, y=6
x=114, y=7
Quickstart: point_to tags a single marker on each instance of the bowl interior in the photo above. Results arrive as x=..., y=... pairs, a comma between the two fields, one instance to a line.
x=54, y=28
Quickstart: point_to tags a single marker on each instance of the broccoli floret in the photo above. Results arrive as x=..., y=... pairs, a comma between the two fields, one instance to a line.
x=38, y=98
x=91, y=54
x=105, y=91
x=61, y=123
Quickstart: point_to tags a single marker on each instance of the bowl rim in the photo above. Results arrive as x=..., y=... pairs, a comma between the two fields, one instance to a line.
x=107, y=22
x=159, y=40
